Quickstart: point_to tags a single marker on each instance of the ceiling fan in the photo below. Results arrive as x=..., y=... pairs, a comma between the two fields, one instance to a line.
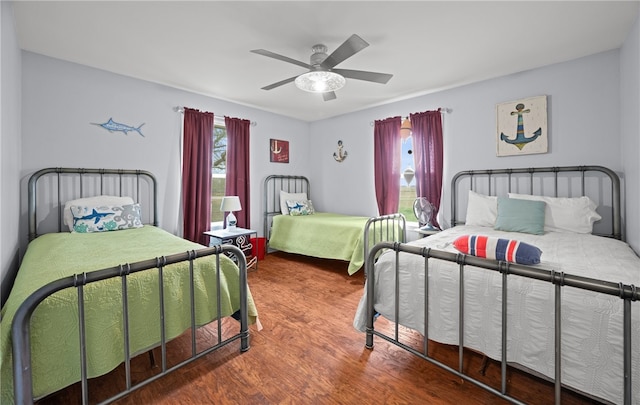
x=322, y=77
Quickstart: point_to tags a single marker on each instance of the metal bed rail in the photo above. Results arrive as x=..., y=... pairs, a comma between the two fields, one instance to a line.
x=628, y=293
x=385, y=228
x=82, y=181
x=273, y=184
x=20, y=329
x=534, y=177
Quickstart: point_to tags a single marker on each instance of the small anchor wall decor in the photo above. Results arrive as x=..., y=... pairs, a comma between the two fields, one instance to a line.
x=529, y=119
x=341, y=154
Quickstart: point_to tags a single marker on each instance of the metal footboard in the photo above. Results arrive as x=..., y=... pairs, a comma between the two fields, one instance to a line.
x=385, y=228
x=628, y=293
x=21, y=323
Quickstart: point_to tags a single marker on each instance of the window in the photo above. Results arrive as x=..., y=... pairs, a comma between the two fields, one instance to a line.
x=218, y=171
x=407, y=180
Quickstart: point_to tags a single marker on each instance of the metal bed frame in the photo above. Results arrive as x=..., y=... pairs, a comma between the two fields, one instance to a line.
x=628, y=293
x=72, y=183
x=377, y=229
x=272, y=186
x=144, y=182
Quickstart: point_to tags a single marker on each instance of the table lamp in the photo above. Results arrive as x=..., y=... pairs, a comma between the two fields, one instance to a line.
x=230, y=204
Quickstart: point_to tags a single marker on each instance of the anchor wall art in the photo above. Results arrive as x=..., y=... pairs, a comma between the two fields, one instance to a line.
x=340, y=155
x=279, y=151
x=522, y=127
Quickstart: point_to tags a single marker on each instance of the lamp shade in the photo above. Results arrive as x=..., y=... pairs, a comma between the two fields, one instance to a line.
x=230, y=203
x=405, y=129
x=319, y=81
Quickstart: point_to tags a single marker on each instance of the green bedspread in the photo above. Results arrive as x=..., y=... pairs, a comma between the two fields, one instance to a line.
x=324, y=235
x=54, y=331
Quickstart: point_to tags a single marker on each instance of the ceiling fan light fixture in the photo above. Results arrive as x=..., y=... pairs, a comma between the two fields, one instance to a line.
x=319, y=81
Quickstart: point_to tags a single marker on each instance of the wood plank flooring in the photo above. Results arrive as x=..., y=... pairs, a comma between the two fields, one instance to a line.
x=309, y=353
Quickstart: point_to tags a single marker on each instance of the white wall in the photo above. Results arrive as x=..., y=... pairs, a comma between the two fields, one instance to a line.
x=583, y=118
x=10, y=109
x=62, y=99
x=630, y=131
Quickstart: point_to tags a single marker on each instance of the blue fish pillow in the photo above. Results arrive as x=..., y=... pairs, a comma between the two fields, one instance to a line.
x=105, y=218
x=507, y=250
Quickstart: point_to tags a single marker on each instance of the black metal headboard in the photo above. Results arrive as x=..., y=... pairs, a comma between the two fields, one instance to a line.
x=599, y=183
x=272, y=186
x=50, y=188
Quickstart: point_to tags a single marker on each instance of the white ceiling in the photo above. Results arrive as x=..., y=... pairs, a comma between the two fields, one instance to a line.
x=203, y=46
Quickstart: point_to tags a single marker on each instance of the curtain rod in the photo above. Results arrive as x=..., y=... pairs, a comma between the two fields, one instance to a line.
x=181, y=111
x=443, y=110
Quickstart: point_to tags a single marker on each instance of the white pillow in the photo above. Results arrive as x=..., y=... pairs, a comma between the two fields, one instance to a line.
x=97, y=201
x=564, y=214
x=482, y=210
x=284, y=196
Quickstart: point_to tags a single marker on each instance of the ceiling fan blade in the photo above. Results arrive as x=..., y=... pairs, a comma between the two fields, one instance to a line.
x=280, y=83
x=270, y=54
x=348, y=48
x=330, y=95
x=382, y=78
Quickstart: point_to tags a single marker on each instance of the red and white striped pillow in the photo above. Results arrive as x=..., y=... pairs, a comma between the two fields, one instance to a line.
x=507, y=250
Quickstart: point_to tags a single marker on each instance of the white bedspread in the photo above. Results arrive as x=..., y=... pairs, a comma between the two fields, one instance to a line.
x=591, y=323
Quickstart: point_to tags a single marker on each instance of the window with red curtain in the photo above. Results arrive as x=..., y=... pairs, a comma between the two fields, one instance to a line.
x=428, y=156
x=386, y=149
x=238, y=166
x=422, y=144
x=196, y=174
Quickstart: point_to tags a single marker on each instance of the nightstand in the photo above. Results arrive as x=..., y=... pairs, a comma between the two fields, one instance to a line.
x=414, y=232
x=239, y=237
x=427, y=232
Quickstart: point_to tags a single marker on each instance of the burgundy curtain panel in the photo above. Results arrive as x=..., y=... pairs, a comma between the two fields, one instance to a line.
x=196, y=174
x=387, y=161
x=238, y=167
x=427, y=147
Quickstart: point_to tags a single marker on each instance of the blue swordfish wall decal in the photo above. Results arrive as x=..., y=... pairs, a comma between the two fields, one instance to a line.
x=112, y=126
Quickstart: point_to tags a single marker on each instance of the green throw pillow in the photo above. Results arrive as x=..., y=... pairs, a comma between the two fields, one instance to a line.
x=515, y=215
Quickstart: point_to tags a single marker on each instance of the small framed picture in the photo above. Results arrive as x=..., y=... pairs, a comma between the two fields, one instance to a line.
x=522, y=127
x=279, y=151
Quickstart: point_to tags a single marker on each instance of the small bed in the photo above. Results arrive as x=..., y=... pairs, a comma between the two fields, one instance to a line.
x=562, y=307
x=292, y=225
x=86, y=301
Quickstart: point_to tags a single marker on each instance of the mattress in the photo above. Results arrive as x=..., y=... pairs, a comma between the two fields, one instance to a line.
x=54, y=331
x=592, y=345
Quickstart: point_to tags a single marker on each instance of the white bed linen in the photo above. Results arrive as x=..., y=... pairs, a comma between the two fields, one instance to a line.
x=591, y=322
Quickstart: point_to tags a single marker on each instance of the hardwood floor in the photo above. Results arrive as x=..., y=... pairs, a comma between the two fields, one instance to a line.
x=309, y=353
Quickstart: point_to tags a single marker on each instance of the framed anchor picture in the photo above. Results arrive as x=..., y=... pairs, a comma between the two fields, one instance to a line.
x=279, y=151
x=522, y=127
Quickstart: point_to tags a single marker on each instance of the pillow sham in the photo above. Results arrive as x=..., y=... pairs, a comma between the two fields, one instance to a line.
x=97, y=201
x=482, y=210
x=565, y=214
x=284, y=196
x=507, y=250
x=515, y=215
x=105, y=218
x=302, y=207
